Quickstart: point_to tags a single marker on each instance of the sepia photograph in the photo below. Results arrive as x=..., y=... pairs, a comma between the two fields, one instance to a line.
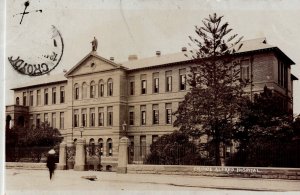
x=151, y=97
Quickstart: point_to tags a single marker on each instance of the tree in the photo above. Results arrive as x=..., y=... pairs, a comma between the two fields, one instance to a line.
x=174, y=148
x=42, y=135
x=212, y=103
x=31, y=141
x=266, y=133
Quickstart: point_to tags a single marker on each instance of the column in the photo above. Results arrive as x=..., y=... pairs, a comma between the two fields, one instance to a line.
x=123, y=155
x=80, y=155
x=62, y=156
x=137, y=146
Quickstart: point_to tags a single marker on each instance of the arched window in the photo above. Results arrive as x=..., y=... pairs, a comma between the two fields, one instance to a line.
x=84, y=90
x=92, y=146
x=76, y=91
x=101, y=88
x=7, y=125
x=109, y=87
x=109, y=147
x=75, y=141
x=92, y=90
x=17, y=101
x=100, y=143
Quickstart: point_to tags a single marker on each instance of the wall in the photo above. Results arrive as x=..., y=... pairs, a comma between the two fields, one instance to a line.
x=218, y=171
x=22, y=165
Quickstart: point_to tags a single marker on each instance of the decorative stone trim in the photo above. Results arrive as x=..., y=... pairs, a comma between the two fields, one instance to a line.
x=218, y=171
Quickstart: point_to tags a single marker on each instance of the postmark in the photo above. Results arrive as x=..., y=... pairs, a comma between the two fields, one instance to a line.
x=45, y=53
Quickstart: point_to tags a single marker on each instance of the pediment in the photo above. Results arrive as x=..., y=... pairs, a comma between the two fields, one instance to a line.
x=90, y=64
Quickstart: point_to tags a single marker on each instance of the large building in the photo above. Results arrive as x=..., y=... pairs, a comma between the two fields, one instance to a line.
x=104, y=97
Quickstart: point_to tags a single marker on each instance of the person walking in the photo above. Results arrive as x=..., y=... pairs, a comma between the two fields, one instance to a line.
x=51, y=162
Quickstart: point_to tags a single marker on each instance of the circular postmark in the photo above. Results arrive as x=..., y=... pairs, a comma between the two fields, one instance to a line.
x=45, y=53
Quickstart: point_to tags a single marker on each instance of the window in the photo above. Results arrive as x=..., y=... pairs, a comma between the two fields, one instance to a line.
x=83, y=117
x=109, y=87
x=46, y=96
x=24, y=98
x=131, y=115
x=101, y=116
x=155, y=82
x=168, y=113
x=143, y=84
x=54, y=95
x=101, y=88
x=62, y=121
x=76, y=91
x=131, y=86
x=168, y=81
x=38, y=120
x=100, y=142
x=31, y=98
x=46, y=117
x=143, y=146
x=109, y=147
x=92, y=117
x=144, y=87
x=92, y=90
x=62, y=94
x=282, y=75
x=53, y=121
x=110, y=116
x=84, y=90
x=155, y=114
x=182, y=79
x=17, y=101
x=245, y=70
x=38, y=97
x=76, y=118
x=143, y=115
x=31, y=120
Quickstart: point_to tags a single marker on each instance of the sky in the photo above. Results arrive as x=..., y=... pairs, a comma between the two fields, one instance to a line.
x=125, y=27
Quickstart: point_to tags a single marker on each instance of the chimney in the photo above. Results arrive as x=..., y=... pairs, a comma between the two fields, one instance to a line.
x=158, y=53
x=132, y=57
x=183, y=49
x=112, y=59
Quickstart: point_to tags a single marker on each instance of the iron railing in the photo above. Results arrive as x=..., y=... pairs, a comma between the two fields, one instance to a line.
x=29, y=154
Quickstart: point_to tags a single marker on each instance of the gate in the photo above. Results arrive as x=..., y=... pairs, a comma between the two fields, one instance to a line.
x=93, y=157
x=71, y=150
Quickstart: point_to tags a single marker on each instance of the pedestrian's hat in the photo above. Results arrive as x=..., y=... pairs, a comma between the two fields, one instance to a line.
x=51, y=151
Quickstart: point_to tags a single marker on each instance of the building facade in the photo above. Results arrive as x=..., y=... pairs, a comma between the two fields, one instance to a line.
x=103, y=98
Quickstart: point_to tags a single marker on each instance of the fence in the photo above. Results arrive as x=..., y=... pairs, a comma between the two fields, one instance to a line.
x=29, y=154
x=272, y=155
x=164, y=155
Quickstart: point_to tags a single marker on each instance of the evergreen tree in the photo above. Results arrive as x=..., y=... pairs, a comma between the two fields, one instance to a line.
x=266, y=133
x=174, y=149
x=213, y=102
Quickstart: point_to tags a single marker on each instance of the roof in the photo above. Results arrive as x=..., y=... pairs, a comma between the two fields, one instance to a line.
x=43, y=80
x=92, y=53
x=248, y=46
x=253, y=45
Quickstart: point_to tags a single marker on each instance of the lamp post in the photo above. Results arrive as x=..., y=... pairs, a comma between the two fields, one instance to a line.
x=81, y=131
x=124, y=125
